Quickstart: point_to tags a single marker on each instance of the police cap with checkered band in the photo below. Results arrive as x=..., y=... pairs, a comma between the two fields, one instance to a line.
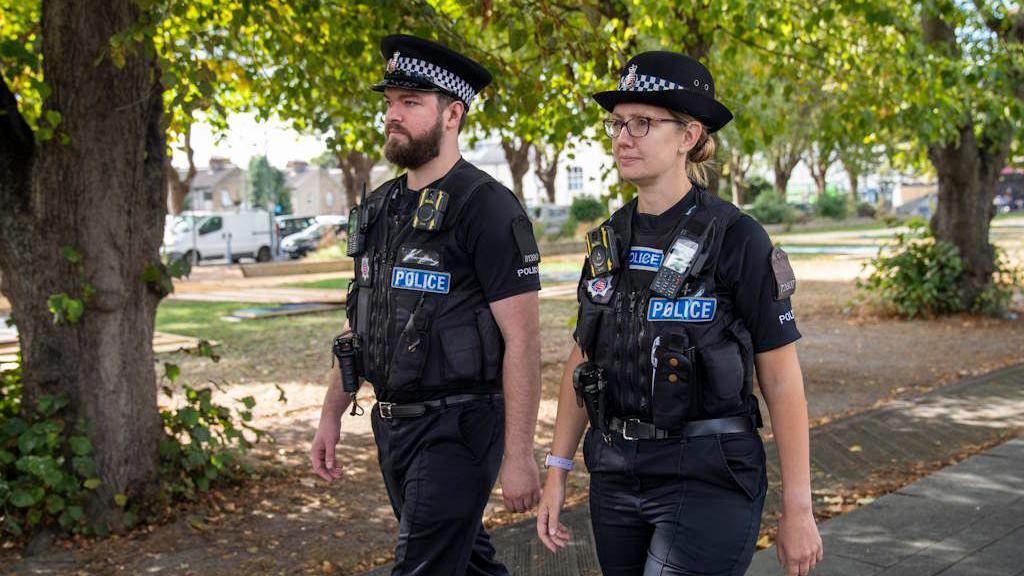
x=670, y=80
x=418, y=64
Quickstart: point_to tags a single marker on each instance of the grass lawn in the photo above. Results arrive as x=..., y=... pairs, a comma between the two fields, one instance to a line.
x=326, y=284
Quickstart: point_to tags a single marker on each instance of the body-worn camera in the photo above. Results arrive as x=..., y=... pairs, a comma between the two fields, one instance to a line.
x=602, y=251
x=430, y=212
x=590, y=380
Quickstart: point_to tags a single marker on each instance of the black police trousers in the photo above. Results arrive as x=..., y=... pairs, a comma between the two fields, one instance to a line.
x=679, y=506
x=439, y=469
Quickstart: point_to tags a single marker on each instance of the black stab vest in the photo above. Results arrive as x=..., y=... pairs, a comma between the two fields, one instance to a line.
x=424, y=325
x=699, y=368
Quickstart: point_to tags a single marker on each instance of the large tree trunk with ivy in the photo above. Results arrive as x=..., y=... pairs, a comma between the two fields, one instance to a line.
x=355, y=171
x=83, y=216
x=967, y=172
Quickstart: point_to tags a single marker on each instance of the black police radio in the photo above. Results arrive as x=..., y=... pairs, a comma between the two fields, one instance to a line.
x=602, y=251
x=684, y=258
x=357, y=219
x=430, y=212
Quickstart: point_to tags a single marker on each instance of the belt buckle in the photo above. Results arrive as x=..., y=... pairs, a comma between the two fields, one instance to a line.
x=625, y=428
x=385, y=409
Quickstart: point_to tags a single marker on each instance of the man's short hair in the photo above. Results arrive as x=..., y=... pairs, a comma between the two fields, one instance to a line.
x=443, y=100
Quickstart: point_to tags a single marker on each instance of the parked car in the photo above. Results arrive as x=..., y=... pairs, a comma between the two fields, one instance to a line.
x=197, y=236
x=288, y=225
x=302, y=243
x=551, y=216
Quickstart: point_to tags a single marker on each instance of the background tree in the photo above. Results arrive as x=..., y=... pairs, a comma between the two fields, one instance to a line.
x=267, y=186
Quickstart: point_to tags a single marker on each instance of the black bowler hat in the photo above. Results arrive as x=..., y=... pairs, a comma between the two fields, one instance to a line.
x=670, y=80
x=417, y=64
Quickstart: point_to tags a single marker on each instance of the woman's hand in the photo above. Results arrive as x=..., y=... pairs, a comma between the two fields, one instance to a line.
x=552, y=533
x=799, y=544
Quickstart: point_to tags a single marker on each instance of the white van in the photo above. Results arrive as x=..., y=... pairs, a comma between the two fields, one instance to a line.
x=197, y=236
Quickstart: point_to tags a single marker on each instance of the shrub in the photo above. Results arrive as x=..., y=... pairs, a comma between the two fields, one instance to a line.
x=46, y=475
x=754, y=187
x=586, y=209
x=769, y=208
x=866, y=210
x=832, y=206
x=921, y=275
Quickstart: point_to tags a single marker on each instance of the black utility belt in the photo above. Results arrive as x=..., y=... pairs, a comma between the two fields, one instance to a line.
x=635, y=429
x=389, y=410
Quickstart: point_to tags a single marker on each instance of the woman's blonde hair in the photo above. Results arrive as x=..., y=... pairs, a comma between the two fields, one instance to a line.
x=700, y=160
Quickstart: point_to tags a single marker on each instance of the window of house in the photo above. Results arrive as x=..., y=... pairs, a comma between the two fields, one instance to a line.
x=575, y=174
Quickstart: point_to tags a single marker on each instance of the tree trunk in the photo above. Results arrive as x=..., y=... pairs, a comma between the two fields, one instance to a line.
x=180, y=187
x=819, y=161
x=782, y=166
x=851, y=173
x=547, y=169
x=738, y=167
x=103, y=194
x=967, y=172
x=355, y=171
x=518, y=158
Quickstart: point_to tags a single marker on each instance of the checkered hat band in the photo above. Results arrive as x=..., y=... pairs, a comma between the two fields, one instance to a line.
x=645, y=83
x=438, y=76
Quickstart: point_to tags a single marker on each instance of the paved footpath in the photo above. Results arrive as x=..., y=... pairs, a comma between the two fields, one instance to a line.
x=965, y=520
x=846, y=454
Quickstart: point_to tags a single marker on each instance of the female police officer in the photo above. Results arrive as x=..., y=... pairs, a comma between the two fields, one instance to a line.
x=681, y=297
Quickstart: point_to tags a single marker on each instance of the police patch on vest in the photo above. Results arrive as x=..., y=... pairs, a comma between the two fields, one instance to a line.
x=782, y=273
x=365, y=276
x=419, y=256
x=522, y=231
x=682, y=309
x=641, y=258
x=600, y=289
x=420, y=280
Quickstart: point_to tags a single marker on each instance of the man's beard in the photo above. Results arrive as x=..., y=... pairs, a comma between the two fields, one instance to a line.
x=416, y=151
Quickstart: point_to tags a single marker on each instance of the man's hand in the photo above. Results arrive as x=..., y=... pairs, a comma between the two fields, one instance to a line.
x=520, y=482
x=799, y=544
x=321, y=455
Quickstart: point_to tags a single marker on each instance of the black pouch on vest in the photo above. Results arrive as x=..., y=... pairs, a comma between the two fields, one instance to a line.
x=490, y=344
x=410, y=354
x=723, y=368
x=462, y=358
x=673, y=388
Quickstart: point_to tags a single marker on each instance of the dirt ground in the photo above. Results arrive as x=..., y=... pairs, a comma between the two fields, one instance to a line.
x=290, y=522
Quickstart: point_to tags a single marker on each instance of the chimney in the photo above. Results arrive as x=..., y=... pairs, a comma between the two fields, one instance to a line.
x=297, y=166
x=218, y=163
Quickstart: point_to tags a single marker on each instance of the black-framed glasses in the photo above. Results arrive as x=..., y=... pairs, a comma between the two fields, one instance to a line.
x=637, y=126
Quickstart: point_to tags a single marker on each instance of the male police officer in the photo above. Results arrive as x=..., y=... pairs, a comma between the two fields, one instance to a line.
x=444, y=322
